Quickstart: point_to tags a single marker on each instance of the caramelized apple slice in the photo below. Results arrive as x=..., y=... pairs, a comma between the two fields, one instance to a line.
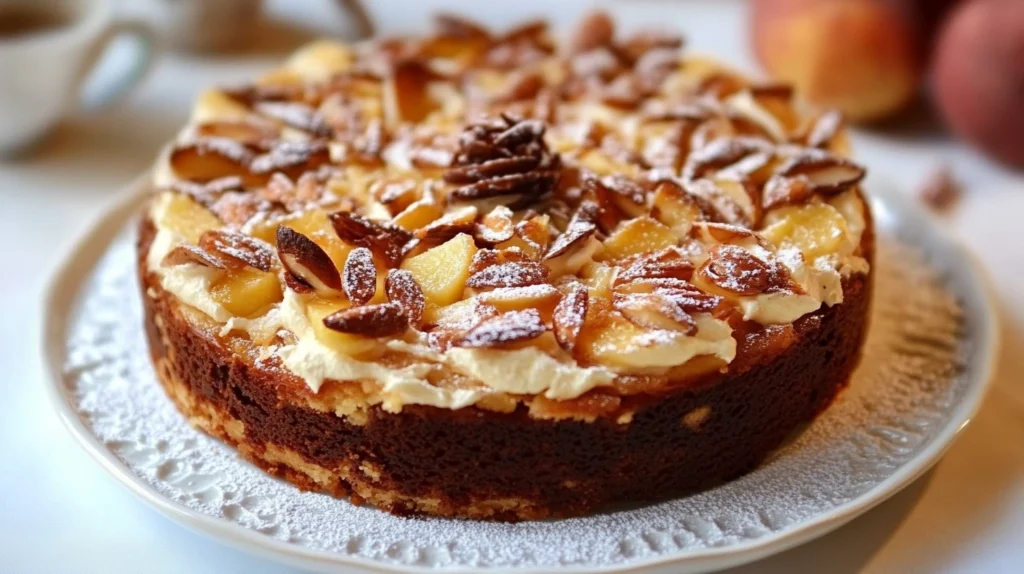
x=635, y=237
x=814, y=229
x=184, y=216
x=247, y=292
x=442, y=272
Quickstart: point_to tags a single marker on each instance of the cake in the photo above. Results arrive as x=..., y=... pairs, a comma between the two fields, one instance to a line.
x=484, y=275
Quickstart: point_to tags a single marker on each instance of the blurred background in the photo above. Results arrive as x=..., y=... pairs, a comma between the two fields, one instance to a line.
x=934, y=90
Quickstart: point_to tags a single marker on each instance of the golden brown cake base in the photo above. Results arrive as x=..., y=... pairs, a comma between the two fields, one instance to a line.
x=481, y=464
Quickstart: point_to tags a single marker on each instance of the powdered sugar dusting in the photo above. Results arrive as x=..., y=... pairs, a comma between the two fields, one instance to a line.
x=901, y=397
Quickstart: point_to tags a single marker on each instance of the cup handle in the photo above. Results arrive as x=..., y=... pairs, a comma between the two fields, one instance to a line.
x=144, y=52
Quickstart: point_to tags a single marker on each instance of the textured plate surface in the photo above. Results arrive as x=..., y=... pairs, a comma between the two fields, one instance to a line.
x=926, y=365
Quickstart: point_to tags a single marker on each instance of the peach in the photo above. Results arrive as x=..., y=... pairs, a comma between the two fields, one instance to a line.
x=978, y=75
x=859, y=56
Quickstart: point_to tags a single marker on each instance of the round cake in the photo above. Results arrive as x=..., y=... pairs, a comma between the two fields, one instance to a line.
x=489, y=275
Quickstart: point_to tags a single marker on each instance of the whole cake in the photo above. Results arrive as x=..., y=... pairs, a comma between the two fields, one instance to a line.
x=486, y=275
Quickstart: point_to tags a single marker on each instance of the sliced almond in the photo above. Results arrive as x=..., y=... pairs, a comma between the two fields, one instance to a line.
x=646, y=268
x=514, y=274
x=736, y=271
x=581, y=227
x=296, y=115
x=485, y=258
x=569, y=316
x=496, y=227
x=307, y=262
x=527, y=184
x=654, y=311
x=384, y=240
x=491, y=169
x=238, y=207
x=719, y=154
x=359, y=276
x=396, y=194
x=459, y=27
x=462, y=220
x=192, y=255
x=380, y=320
x=402, y=288
x=208, y=159
x=291, y=157
x=824, y=129
x=504, y=329
x=780, y=190
x=238, y=248
x=542, y=297
x=726, y=233
x=248, y=131
x=597, y=29
x=826, y=172
x=727, y=201
x=406, y=96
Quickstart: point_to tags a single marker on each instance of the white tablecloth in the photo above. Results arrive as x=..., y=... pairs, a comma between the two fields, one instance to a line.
x=60, y=512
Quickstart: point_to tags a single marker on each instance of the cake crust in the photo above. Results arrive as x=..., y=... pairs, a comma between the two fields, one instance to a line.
x=469, y=462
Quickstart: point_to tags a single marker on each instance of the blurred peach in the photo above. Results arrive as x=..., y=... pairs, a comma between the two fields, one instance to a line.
x=860, y=56
x=978, y=75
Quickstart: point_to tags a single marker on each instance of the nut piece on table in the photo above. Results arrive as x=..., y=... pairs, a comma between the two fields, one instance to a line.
x=860, y=56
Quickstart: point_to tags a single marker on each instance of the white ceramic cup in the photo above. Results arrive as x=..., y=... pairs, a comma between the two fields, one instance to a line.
x=41, y=73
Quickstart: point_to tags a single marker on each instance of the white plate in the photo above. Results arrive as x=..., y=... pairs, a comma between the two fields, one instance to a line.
x=927, y=365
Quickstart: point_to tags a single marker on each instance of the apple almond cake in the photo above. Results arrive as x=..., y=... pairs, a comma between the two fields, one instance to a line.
x=483, y=274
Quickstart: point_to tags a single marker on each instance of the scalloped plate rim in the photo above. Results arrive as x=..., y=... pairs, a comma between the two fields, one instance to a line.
x=84, y=251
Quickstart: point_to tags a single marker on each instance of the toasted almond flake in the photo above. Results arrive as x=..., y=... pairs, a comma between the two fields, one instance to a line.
x=824, y=129
x=384, y=240
x=504, y=329
x=359, y=276
x=238, y=249
x=296, y=115
x=307, y=262
x=655, y=311
x=512, y=274
x=461, y=220
x=292, y=157
x=719, y=154
x=192, y=255
x=736, y=270
x=569, y=316
x=402, y=288
x=595, y=30
x=496, y=227
x=485, y=258
x=581, y=227
x=825, y=172
x=208, y=159
x=646, y=268
x=381, y=320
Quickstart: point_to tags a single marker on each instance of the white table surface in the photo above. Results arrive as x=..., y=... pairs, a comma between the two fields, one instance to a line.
x=60, y=512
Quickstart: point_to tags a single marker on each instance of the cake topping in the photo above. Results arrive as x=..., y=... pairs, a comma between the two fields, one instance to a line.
x=359, y=276
x=307, y=262
x=401, y=288
x=381, y=320
x=472, y=191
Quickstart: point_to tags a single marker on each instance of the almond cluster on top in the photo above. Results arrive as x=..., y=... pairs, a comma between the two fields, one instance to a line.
x=495, y=190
